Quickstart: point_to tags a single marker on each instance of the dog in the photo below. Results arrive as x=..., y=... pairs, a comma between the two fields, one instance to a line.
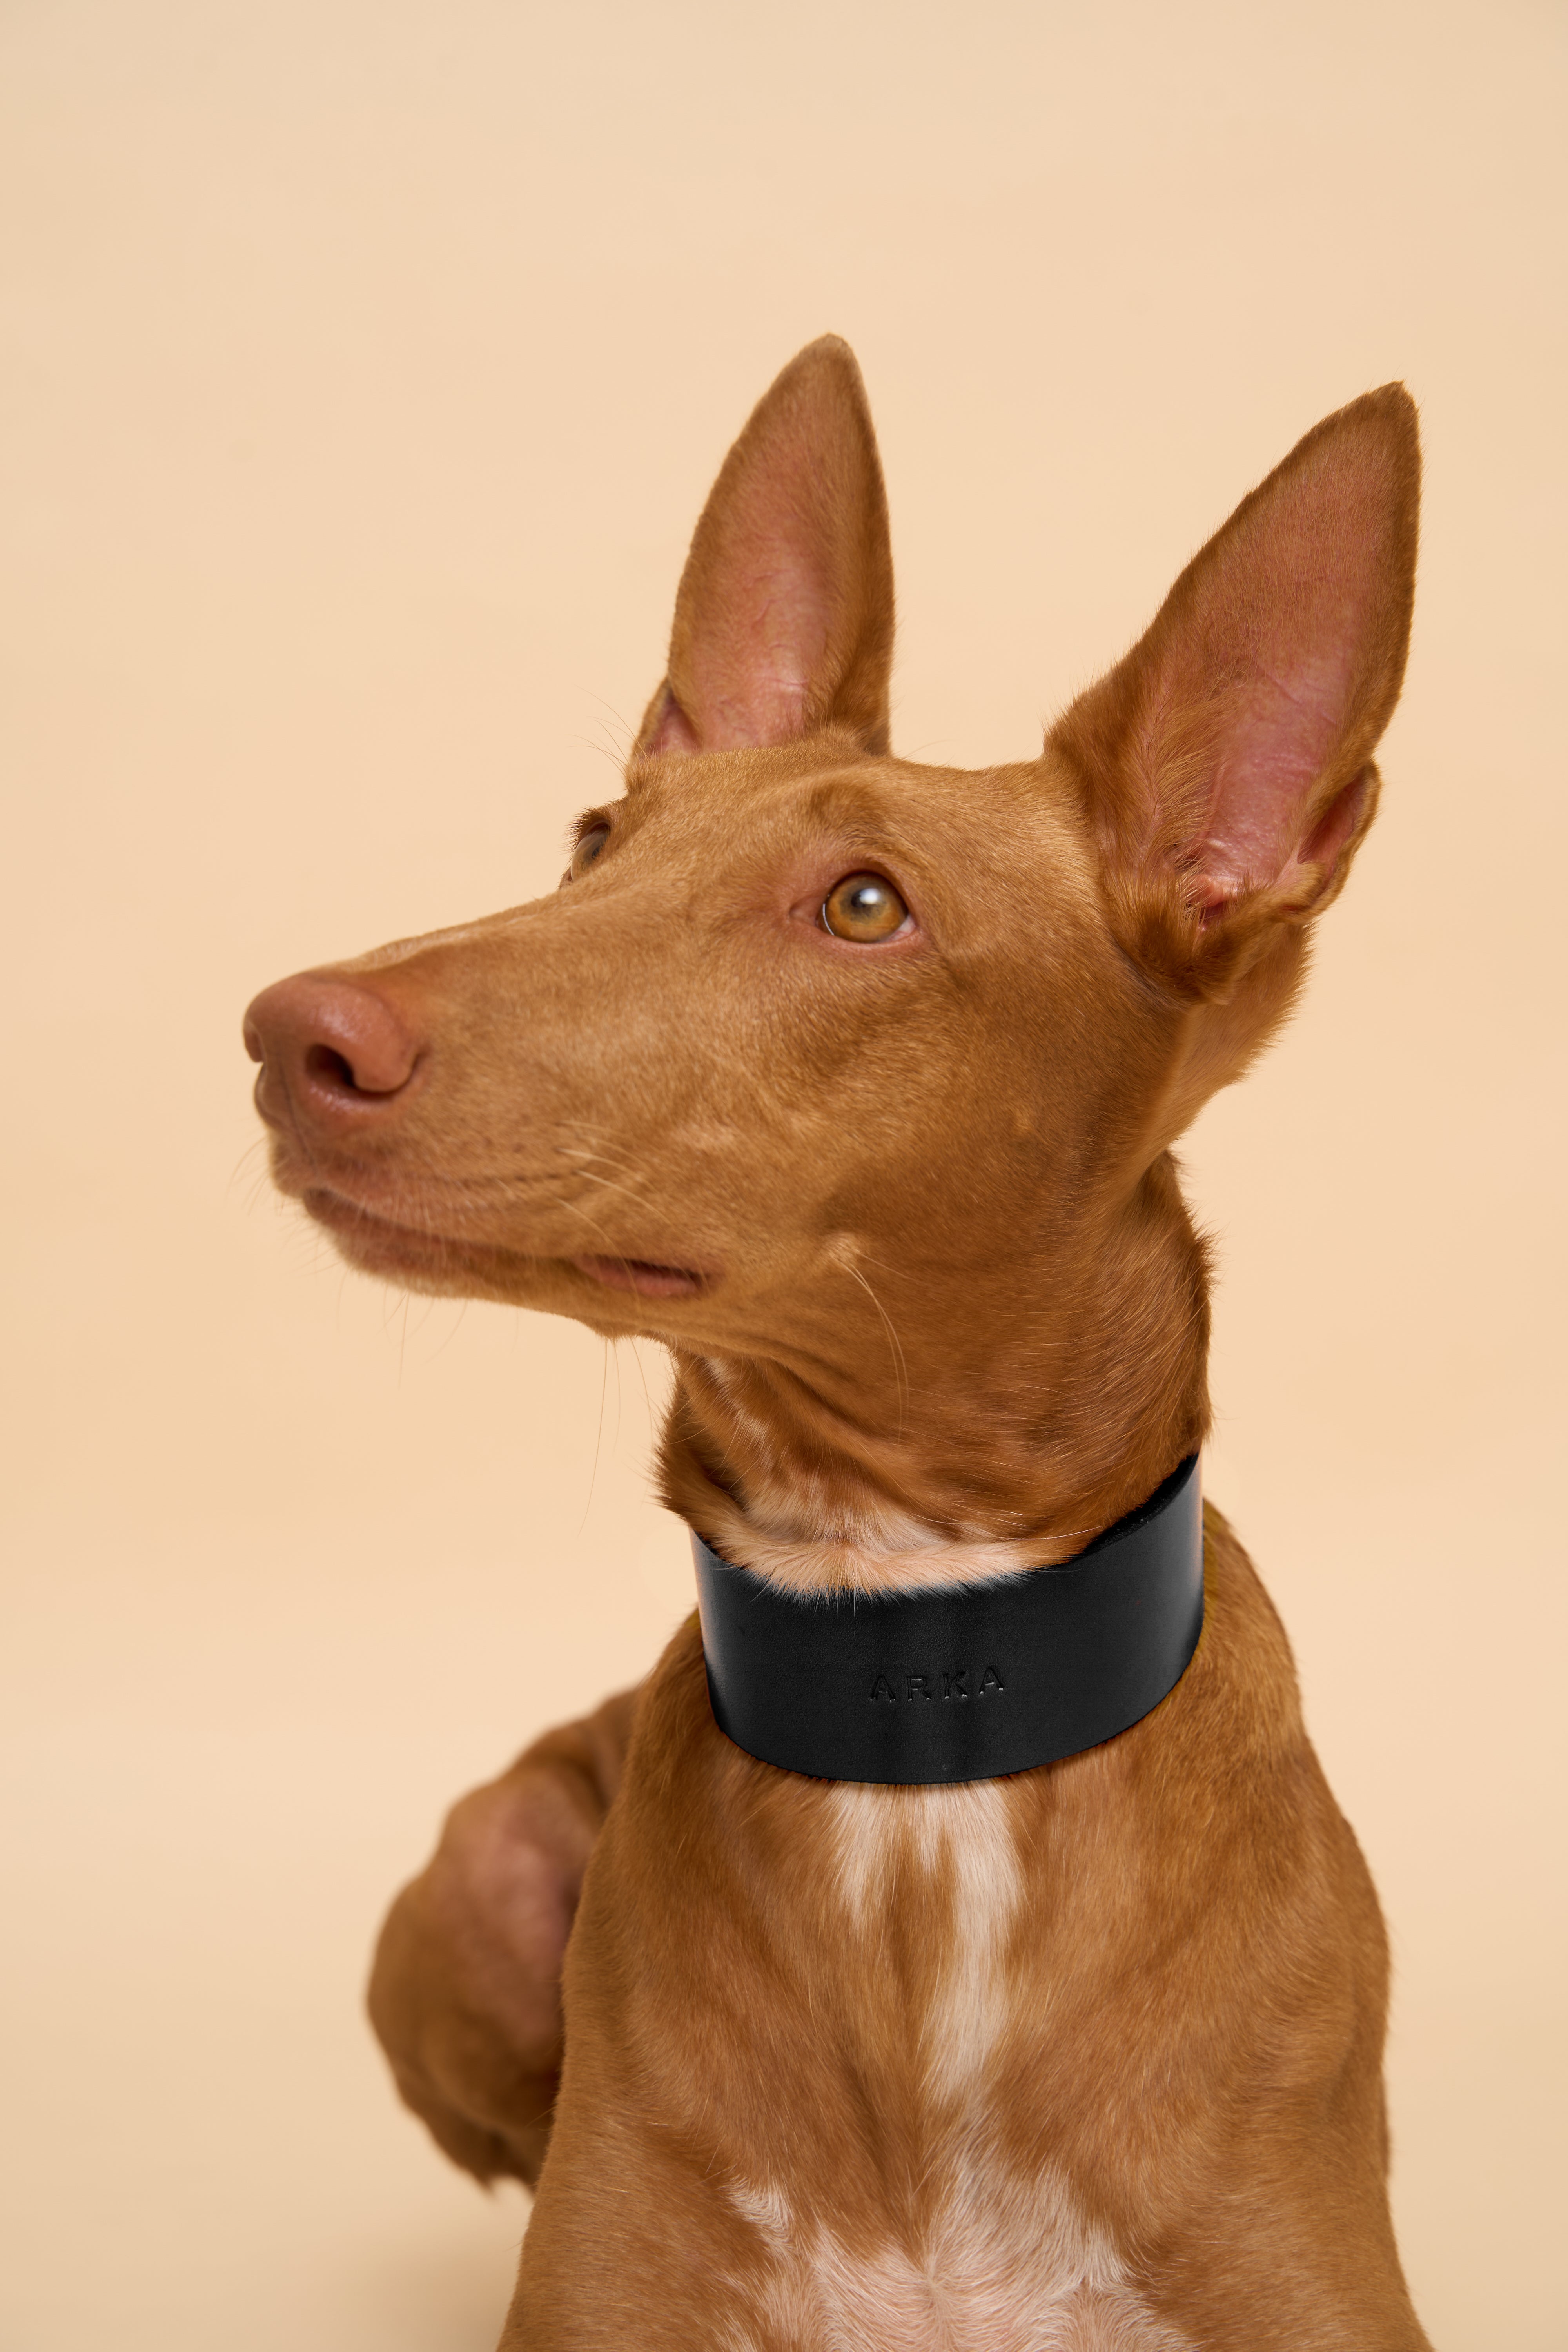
x=855, y=1082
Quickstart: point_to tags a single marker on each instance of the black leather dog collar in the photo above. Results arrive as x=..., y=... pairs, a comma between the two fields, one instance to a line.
x=969, y=1681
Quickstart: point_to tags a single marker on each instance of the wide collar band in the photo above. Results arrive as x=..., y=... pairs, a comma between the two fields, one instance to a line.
x=965, y=1682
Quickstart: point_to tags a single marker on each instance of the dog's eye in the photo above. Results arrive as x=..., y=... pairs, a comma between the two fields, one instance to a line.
x=587, y=849
x=863, y=908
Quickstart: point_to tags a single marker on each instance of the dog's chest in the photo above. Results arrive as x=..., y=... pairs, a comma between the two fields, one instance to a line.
x=987, y=2259
x=945, y=1858
x=1002, y=2267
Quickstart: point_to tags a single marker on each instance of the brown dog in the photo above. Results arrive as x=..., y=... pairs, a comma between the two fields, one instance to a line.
x=856, y=1083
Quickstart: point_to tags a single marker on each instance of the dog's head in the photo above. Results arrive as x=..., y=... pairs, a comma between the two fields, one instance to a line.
x=826, y=1058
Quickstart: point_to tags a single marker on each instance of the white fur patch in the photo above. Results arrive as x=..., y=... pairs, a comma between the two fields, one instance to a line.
x=801, y=1537
x=961, y=1840
x=1005, y=2266
x=1007, y=2263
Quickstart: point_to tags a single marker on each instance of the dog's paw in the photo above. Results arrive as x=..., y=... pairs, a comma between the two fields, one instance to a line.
x=465, y=1994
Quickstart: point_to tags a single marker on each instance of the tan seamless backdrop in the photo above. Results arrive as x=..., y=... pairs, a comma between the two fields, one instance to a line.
x=364, y=368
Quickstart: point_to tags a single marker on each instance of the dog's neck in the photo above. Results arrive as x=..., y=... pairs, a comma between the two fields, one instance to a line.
x=1005, y=1432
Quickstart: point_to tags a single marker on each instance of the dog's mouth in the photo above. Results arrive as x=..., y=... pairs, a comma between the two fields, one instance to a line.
x=642, y=1274
x=378, y=1244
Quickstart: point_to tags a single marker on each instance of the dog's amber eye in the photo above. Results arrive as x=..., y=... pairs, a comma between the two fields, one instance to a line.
x=865, y=908
x=587, y=849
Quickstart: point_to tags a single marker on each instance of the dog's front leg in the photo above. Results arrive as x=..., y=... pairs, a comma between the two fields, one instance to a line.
x=465, y=1994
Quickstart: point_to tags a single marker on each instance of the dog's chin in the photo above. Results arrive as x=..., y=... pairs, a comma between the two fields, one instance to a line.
x=403, y=1254
x=440, y=1263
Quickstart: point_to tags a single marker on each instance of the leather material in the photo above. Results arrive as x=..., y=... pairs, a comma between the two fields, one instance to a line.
x=968, y=1681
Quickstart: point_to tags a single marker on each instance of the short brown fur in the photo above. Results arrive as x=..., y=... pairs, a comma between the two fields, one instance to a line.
x=1089, y=2057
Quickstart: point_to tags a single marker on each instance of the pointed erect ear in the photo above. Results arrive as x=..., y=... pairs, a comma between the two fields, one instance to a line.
x=1226, y=764
x=784, y=623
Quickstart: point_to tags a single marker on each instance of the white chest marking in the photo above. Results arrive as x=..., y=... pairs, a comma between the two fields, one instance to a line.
x=1004, y=2267
x=959, y=1838
x=1003, y=2263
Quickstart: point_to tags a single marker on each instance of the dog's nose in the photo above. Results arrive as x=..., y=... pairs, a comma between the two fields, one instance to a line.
x=334, y=1051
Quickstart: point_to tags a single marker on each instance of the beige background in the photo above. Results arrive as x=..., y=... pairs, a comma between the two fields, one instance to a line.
x=365, y=366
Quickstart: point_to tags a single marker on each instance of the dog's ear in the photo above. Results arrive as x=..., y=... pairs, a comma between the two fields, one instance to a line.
x=1226, y=763
x=783, y=622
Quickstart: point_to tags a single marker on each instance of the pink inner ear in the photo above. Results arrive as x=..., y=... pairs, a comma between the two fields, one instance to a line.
x=1275, y=737
x=783, y=620
x=1270, y=646
x=752, y=667
x=671, y=730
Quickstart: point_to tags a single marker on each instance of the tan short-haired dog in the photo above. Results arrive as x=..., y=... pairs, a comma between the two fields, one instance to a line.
x=855, y=1082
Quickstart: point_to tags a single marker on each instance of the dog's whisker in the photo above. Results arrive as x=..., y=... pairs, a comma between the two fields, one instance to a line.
x=900, y=1367
x=598, y=1437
